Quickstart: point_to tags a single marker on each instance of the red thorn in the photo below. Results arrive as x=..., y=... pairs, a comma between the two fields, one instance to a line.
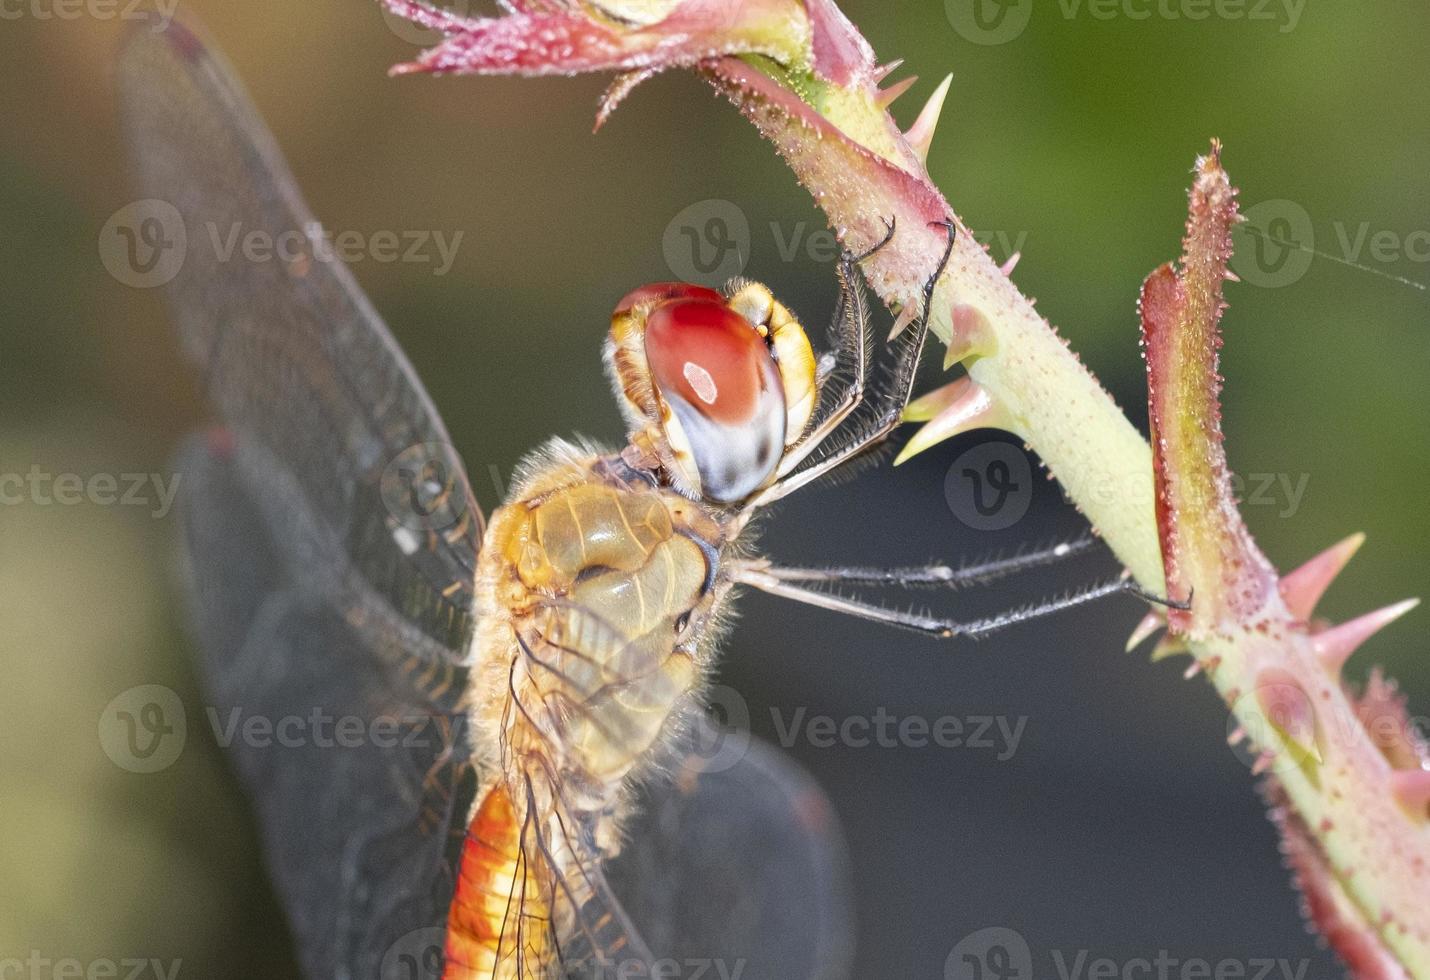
x=1263, y=762
x=886, y=97
x=1238, y=734
x=920, y=134
x=961, y=407
x=1412, y=788
x=884, y=71
x=1336, y=645
x=1303, y=588
x=1012, y=263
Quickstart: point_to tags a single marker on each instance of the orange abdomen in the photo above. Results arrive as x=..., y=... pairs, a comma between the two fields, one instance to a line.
x=499, y=924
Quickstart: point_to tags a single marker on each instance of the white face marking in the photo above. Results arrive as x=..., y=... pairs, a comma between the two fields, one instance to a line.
x=701, y=381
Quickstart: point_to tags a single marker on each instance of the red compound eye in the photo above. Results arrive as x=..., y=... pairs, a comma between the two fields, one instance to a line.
x=708, y=355
x=666, y=290
x=714, y=370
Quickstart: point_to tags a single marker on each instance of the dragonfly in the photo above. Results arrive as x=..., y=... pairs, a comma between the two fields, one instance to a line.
x=526, y=788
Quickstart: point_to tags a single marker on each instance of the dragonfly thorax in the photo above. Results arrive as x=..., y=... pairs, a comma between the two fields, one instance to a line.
x=599, y=586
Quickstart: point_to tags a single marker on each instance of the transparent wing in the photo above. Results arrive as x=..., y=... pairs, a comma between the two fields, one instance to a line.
x=360, y=772
x=330, y=535
x=736, y=862
x=295, y=358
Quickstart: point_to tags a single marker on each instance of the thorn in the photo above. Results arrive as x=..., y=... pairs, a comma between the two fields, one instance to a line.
x=1237, y=736
x=1193, y=669
x=1151, y=623
x=1169, y=645
x=1012, y=263
x=1412, y=789
x=965, y=405
x=885, y=97
x=617, y=91
x=1303, y=588
x=920, y=134
x=1284, y=704
x=906, y=316
x=884, y=71
x=1263, y=762
x=970, y=334
x=1335, y=646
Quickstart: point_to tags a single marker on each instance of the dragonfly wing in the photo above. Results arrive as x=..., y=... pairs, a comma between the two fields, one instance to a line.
x=361, y=778
x=330, y=535
x=737, y=862
x=293, y=354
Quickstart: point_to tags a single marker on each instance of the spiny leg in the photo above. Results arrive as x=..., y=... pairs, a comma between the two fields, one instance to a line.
x=852, y=319
x=890, y=412
x=948, y=576
x=934, y=625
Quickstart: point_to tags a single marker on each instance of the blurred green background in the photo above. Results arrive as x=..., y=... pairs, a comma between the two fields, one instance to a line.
x=1123, y=823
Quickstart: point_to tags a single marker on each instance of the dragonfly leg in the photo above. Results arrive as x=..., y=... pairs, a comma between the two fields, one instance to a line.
x=934, y=625
x=850, y=335
x=940, y=575
x=890, y=403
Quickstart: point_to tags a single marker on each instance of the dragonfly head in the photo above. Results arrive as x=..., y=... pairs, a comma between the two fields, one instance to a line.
x=718, y=384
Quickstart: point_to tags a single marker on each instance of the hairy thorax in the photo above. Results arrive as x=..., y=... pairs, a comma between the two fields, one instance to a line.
x=595, y=589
